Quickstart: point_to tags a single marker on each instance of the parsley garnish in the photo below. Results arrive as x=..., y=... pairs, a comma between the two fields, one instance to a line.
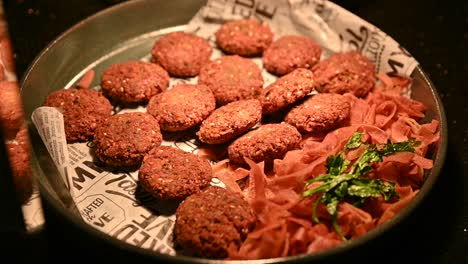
x=343, y=183
x=354, y=141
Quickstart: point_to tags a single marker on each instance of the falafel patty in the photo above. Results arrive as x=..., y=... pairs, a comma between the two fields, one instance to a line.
x=133, y=82
x=182, y=107
x=245, y=37
x=122, y=140
x=291, y=52
x=83, y=110
x=287, y=90
x=232, y=78
x=172, y=174
x=230, y=121
x=349, y=72
x=268, y=142
x=181, y=54
x=320, y=113
x=211, y=222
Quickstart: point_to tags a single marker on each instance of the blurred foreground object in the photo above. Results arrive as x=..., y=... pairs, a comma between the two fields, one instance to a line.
x=14, y=128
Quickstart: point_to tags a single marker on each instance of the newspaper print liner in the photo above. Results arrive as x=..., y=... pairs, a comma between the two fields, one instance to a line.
x=113, y=202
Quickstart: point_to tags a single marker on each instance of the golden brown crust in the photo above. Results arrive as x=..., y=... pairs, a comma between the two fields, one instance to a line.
x=134, y=82
x=320, y=113
x=182, y=107
x=289, y=53
x=268, y=142
x=181, y=54
x=123, y=140
x=173, y=174
x=212, y=221
x=230, y=121
x=245, y=37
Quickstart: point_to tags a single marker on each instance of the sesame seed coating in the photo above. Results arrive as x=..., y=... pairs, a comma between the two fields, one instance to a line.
x=173, y=174
x=320, y=113
x=291, y=52
x=210, y=222
x=245, y=37
x=122, y=140
x=83, y=110
x=348, y=72
x=181, y=54
x=268, y=142
x=182, y=107
x=232, y=78
x=133, y=82
x=287, y=90
x=230, y=121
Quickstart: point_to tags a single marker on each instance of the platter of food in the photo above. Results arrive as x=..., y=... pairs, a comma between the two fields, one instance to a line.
x=206, y=134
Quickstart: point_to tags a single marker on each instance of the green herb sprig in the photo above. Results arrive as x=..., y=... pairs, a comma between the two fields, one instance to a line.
x=341, y=183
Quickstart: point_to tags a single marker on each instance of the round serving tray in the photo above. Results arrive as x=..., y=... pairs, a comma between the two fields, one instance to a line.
x=127, y=31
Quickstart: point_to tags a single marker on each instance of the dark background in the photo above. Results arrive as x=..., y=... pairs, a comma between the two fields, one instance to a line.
x=434, y=32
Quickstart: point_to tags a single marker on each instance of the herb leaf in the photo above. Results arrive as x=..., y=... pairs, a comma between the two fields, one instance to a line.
x=362, y=165
x=337, y=227
x=332, y=205
x=354, y=141
x=341, y=190
x=366, y=188
x=321, y=188
x=405, y=146
x=337, y=164
x=314, y=210
x=331, y=183
x=342, y=184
